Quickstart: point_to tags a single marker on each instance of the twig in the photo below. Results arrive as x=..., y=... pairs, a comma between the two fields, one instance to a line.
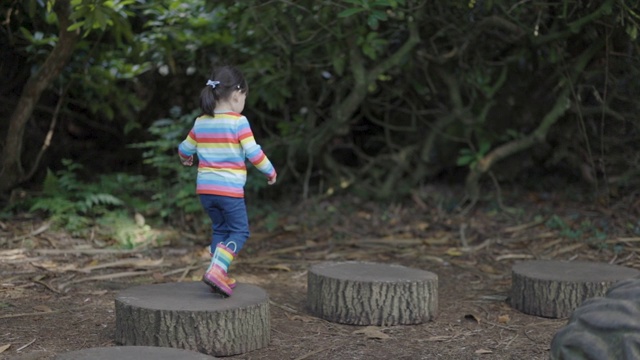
x=307, y=355
x=85, y=251
x=521, y=227
x=108, y=277
x=26, y=345
x=52, y=126
x=566, y=249
x=285, y=308
x=175, y=271
x=513, y=256
x=11, y=252
x=28, y=314
x=269, y=254
x=480, y=246
x=510, y=341
x=137, y=263
x=46, y=285
x=629, y=239
x=187, y=270
x=463, y=237
x=35, y=232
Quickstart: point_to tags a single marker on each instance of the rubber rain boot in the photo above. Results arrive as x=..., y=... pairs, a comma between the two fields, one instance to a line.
x=216, y=276
x=230, y=281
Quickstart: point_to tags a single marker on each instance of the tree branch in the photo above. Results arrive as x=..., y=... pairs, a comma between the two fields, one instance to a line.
x=539, y=134
x=12, y=171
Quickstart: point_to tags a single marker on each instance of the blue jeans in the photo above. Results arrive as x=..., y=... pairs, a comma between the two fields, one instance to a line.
x=230, y=224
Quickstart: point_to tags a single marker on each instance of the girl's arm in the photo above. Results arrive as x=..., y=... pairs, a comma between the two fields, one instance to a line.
x=187, y=148
x=254, y=152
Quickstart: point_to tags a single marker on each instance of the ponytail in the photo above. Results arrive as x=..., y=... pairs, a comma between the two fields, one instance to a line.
x=208, y=100
x=222, y=83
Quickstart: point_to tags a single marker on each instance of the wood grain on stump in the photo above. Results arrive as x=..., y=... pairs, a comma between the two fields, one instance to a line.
x=554, y=289
x=189, y=316
x=603, y=328
x=359, y=293
x=132, y=353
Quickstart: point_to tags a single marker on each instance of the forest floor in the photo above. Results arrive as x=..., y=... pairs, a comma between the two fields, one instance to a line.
x=57, y=291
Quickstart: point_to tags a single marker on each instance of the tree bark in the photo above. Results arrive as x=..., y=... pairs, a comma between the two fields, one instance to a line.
x=12, y=172
x=189, y=316
x=554, y=289
x=372, y=294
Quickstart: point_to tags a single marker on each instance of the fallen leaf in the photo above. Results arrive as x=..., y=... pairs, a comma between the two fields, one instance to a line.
x=304, y=319
x=500, y=298
x=487, y=269
x=54, y=267
x=280, y=267
x=372, y=332
x=42, y=308
x=4, y=347
x=503, y=319
x=472, y=317
x=439, y=338
x=454, y=252
x=93, y=262
x=483, y=351
x=422, y=226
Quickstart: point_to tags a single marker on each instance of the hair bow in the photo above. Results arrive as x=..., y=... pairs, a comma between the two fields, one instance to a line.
x=213, y=83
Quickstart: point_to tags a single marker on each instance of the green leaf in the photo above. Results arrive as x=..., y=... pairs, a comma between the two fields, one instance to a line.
x=50, y=185
x=632, y=31
x=484, y=148
x=465, y=160
x=350, y=12
x=372, y=21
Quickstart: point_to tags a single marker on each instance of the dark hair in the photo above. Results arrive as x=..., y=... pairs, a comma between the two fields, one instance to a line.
x=230, y=78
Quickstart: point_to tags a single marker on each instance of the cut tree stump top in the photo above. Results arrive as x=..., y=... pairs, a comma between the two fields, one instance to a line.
x=371, y=272
x=132, y=353
x=572, y=271
x=190, y=296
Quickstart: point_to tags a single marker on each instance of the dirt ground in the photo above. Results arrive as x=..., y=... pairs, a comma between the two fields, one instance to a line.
x=57, y=291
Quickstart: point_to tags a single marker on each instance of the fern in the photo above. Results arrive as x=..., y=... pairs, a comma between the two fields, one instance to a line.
x=70, y=203
x=53, y=205
x=93, y=201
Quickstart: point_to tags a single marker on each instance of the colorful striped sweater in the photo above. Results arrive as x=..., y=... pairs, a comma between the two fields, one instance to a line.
x=222, y=144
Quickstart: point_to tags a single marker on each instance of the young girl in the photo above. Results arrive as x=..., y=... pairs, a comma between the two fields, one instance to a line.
x=222, y=139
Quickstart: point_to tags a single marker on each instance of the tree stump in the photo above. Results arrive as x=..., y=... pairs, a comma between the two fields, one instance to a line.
x=189, y=316
x=603, y=328
x=554, y=289
x=359, y=293
x=132, y=353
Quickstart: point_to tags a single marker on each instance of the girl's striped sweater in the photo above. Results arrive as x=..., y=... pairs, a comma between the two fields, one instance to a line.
x=222, y=144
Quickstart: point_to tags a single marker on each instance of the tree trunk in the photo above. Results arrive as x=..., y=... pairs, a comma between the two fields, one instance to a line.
x=372, y=294
x=12, y=172
x=189, y=316
x=554, y=289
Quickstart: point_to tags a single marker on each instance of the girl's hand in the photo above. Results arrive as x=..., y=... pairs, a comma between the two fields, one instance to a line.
x=188, y=161
x=272, y=180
